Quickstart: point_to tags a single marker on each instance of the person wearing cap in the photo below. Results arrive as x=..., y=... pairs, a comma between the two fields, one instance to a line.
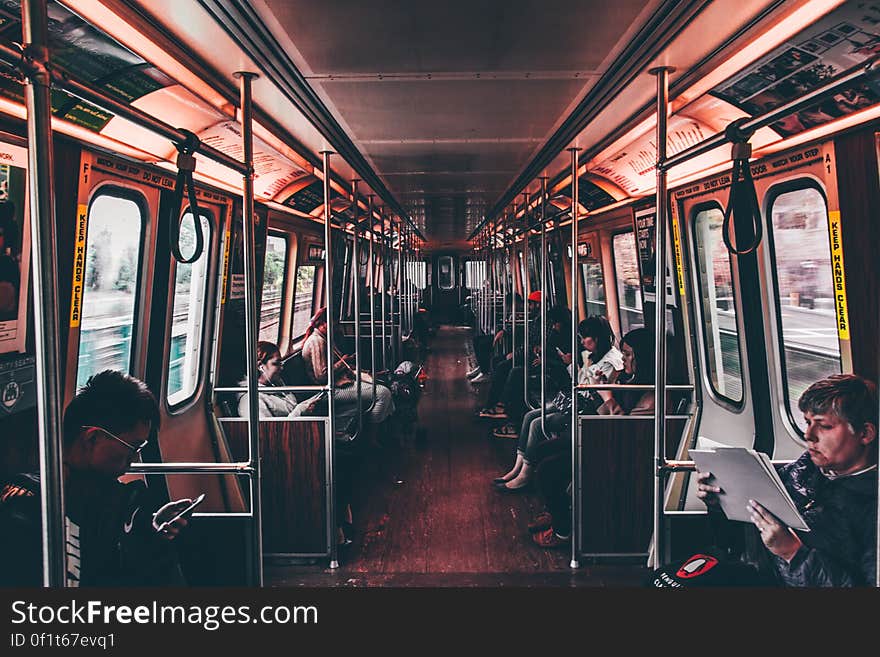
x=508, y=371
x=117, y=534
x=834, y=486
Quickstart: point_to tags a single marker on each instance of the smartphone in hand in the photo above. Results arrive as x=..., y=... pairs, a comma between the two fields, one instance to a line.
x=186, y=511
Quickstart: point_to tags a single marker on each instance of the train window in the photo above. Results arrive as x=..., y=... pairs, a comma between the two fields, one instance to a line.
x=719, y=310
x=417, y=274
x=302, y=301
x=445, y=276
x=188, y=302
x=113, y=254
x=274, y=277
x=475, y=273
x=626, y=268
x=594, y=287
x=804, y=286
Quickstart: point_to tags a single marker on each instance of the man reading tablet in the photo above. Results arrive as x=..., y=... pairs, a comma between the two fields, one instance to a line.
x=833, y=485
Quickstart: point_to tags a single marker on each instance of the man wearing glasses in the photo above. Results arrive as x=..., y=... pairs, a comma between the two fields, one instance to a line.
x=115, y=534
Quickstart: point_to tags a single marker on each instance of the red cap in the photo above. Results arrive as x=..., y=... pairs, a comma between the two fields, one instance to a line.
x=535, y=296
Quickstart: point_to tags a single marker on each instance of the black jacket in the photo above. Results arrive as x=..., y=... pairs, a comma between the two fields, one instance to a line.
x=840, y=549
x=110, y=542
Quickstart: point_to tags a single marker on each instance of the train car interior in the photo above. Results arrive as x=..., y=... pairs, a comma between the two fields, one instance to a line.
x=355, y=250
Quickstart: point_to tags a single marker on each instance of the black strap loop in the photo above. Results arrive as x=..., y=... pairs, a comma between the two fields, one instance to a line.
x=743, y=200
x=186, y=164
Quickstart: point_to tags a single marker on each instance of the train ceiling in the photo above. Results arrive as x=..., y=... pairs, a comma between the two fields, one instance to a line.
x=449, y=100
x=448, y=112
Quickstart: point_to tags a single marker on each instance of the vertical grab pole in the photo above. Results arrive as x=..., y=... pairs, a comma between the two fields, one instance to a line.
x=484, y=288
x=404, y=303
x=250, y=325
x=658, y=547
x=44, y=251
x=513, y=300
x=492, y=277
x=527, y=287
x=575, y=415
x=410, y=290
x=505, y=282
x=331, y=424
x=544, y=302
x=398, y=344
x=384, y=293
x=357, y=301
x=373, y=288
x=526, y=355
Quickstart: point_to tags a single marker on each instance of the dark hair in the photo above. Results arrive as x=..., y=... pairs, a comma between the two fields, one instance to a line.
x=850, y=397
x=642, y=343
x=598, y=328
x=265, y=351
x=559, y=314
x=114, y=401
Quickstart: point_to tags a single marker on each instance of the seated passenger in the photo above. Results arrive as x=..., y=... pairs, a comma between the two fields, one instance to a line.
x=508, y=369
x=833, y=484
x=114, y=530
x=557, y=370
x=314, y=353
x=596, y=337
x=271, y=404
x=485, y=343
x=552, y=528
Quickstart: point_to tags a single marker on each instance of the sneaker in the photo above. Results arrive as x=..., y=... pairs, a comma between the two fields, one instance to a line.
x=506, y=431
x=480, y=378
x=542, y=522
x=550, y=539
x=474, y=372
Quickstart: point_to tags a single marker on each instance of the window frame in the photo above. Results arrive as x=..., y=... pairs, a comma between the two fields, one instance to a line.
x=770, y=196
x=614, y=234
x=295, y=339
x=140, y=200
x=284, y=279
x=452, y=277
x=184, y=404
x=583, y=263
x=704, y=206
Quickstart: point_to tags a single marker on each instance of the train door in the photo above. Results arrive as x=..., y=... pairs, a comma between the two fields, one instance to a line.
x=134, y=309
x=766, y=328
x=444, y=292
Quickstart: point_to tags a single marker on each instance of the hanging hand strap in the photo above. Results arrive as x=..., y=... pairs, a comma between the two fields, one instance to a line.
x=742, y=203
x=186, y=164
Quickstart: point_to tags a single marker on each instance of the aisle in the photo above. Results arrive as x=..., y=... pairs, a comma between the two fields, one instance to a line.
x=427, y=514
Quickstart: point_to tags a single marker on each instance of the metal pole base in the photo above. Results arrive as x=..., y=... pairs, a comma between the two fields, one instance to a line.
x=334, y=565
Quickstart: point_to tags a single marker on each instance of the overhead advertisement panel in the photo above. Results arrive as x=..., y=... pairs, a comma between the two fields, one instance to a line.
x=633, y=168
x=273, y=172
x=845, y=38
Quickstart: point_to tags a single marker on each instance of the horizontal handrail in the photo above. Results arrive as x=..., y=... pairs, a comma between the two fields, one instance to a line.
x=243, y=467
x=677, y=416
x=623, y=386
x=277, y=389
x=69, y=83
x=690, y=466
x=772, y=116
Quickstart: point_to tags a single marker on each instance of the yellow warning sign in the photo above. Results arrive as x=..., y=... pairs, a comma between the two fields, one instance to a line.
x=79, y=265
x=835, y=232
x=676, y=241
x=225, y=269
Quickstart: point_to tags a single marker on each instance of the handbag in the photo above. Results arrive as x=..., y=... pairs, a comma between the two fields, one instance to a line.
x=586, y=405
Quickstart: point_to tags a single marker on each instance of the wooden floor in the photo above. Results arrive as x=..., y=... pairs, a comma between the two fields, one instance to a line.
x=427, y=514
